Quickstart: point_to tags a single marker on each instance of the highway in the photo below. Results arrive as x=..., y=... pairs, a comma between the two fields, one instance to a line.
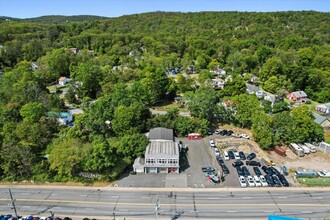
x=129, y=203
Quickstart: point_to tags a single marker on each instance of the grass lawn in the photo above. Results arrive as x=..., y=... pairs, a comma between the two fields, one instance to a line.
x=314, y=181
x=327, y=136
x=52, y=89
x=166, y=106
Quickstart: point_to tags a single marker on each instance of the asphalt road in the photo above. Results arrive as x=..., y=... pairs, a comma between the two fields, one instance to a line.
x=105, y=203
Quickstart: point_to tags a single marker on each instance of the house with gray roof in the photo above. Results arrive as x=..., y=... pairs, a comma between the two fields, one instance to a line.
x=162, y=153
x=297, y=96
x=323, y=121
x=324, y=108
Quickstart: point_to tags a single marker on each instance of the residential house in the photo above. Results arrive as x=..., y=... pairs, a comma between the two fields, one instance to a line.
x=65, y=118
x=254, y=79
x=324, y=108
x=63, y=80
x=218, y=83
x=74, y=50
x=300, y=96
x=252, y=89
x=218, y=71
x=323, y=121
x=162, y=153
x=270, y=98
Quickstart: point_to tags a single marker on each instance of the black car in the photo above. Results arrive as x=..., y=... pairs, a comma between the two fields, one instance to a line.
x=283, y=180
x=275, y=171
x=242, y=155
x=231, y=155
x=229, y=132
x=267, y=170
x=246, y=171
x=269, y=180
x=252, y=163
x=223, y=132
x=277, y=182
x=225, y=169
x=257, y=171
x=237, y=163
x=251, y=156
x=208, y=169
x=220, y=160
x=239, y=171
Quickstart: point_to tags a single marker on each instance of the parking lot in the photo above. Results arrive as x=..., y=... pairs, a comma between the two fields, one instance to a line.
x=201, y=154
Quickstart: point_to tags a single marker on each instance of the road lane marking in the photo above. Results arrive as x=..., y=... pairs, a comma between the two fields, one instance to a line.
x=230, y=211
x=170, y=204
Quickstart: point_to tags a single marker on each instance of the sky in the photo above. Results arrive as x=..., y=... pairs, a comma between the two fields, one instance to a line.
x=116, y=8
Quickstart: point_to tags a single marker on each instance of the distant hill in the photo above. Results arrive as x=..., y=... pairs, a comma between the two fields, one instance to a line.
x=56, y=19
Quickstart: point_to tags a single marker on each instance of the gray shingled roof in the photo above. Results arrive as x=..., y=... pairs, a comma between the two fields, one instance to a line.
x=300, y=94
x=161, y=134
x=319, y=118
x=252, y=88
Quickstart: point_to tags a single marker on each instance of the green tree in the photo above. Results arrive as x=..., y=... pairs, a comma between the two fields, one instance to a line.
x=234, y=87
x=32, y=111
x=262, y=130
x=246, y=107
x=68, y=156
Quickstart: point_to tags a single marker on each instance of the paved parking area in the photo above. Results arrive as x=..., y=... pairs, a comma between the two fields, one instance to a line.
x=200, y=154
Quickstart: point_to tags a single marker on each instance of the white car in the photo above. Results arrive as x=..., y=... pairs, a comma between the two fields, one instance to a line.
x=217, y=131
x=225, y=155
x=250, y=181
x=242, y=181
x=212, y=143
x=216, y=152
x=245, y=136
x=263, y=181
x=257, y=181
x=237, y=157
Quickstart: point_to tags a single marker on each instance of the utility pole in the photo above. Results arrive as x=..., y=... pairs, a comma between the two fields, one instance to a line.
x=13, y=203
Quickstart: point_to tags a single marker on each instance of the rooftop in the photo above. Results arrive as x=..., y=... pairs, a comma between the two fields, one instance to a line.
x=162, y=147
x=161, y=134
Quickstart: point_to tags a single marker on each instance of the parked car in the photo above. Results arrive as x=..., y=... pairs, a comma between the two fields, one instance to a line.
x=242, y=181
x=252, y=163
x=210, y=173
x=239, y=171
x=226, y=155
x=213, y=179
x=269, y=180
x=223, y=132
x=231, y=154
x=211, y=141
x=236, y=135
x=324, y=174
x=257, y=181
x=267, y=170
x=236, y=155
x=208, y=169
x=275, y=171
x=277, y=182
x=225, y=169
x=217, y=131
x=284, y=170
x=250, y=181
x=237, y=163
x=245, y=136
x=283, y=180
x=246, y=171
x=216, y=152
x=263, y=181
x=257, y=171
x=251, y=156
x=220, y=160
x=242, y=155
x=229, y=132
